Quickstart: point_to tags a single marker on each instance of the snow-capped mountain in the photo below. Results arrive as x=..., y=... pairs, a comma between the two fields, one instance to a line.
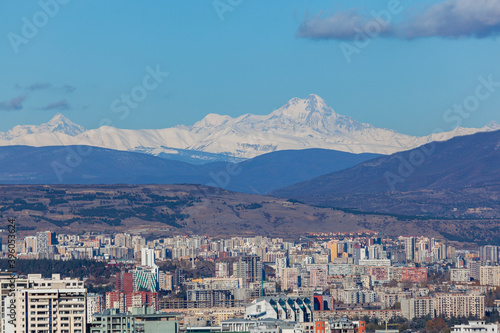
x=299, y=124
x=58, y=124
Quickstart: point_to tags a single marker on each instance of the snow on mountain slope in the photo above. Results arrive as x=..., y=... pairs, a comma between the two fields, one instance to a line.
x=299, y=124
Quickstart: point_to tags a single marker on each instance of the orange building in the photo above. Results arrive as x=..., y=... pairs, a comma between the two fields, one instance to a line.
x=414, y=274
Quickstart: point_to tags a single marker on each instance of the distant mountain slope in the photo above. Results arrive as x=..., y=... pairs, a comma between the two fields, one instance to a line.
x=299, y=124
x=86, y=165
x=463, y=162
x=268, y=172
x=92, y=165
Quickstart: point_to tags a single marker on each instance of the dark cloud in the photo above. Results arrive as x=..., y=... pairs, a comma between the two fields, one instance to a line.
x=341, y=26
x=59, y=106
x=14, y=104
x=35, y=86
x=67, y=89
x=447, y=19
x=455, y=19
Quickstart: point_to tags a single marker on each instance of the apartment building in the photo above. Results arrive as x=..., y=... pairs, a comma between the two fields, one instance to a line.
x=290, y=279
x=414, y=274
x=459, y=305
x=96, y=303
x=417, y=307
x=476, y=327
x=490, y=275
x=8, y=284
x=143, y=320
x=48, y=305
x=460, y=275
x=125, y=301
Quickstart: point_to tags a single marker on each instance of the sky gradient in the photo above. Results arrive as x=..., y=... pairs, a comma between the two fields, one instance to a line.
x=235, y=57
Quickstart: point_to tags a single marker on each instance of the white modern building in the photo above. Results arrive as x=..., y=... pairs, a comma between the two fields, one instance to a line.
x=476, y=327
x=288, y=309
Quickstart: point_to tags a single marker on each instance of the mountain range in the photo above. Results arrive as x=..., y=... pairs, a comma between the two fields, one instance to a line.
x=299, y=124
x=458, y=177
x=93, y=165
x=461, y=162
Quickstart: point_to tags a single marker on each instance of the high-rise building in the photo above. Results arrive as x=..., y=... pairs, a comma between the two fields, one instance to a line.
x=8, y=283
x=147, y=257
x=248, y=269
x=30, y=244
x=290, y=279
x=44, y=240
x=490, y=276
x=126, y=301
x=409, y=243
x=417, y=307
x=453, y=305
x=124, y=282
x=474, y=270
x=48, y=305
x=95, y=304
x=358, y=253
x=222, y=269
x=281, y=263
x=489, y=253
x=460, y=275
x=178, y=277
x=146, y=278
x=123, y=240
x=166, y=281
x=333, y=250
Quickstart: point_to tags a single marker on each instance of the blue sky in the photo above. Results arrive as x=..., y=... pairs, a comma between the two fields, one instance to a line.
x=251, y=58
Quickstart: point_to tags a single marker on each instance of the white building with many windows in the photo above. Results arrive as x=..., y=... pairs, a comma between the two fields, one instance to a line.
x=476, y=327
x=48, y=305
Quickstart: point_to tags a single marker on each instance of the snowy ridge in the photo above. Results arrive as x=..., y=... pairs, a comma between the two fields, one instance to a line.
x=299, y=124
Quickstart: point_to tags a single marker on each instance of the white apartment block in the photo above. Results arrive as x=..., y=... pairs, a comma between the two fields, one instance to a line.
x=459, y=305
x=48, y=305
x=417, y=307
x=476, y=327
x=490, y=275
x=460, y=275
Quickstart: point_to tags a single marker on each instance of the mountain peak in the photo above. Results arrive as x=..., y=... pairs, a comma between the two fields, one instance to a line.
x=492, y=125
x=58, y=118
x=61, y=124
x=58, y=124
x=315, y=99
x=298, y=108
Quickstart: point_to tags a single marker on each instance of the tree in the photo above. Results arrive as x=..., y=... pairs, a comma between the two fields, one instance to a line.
x=436, y=325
